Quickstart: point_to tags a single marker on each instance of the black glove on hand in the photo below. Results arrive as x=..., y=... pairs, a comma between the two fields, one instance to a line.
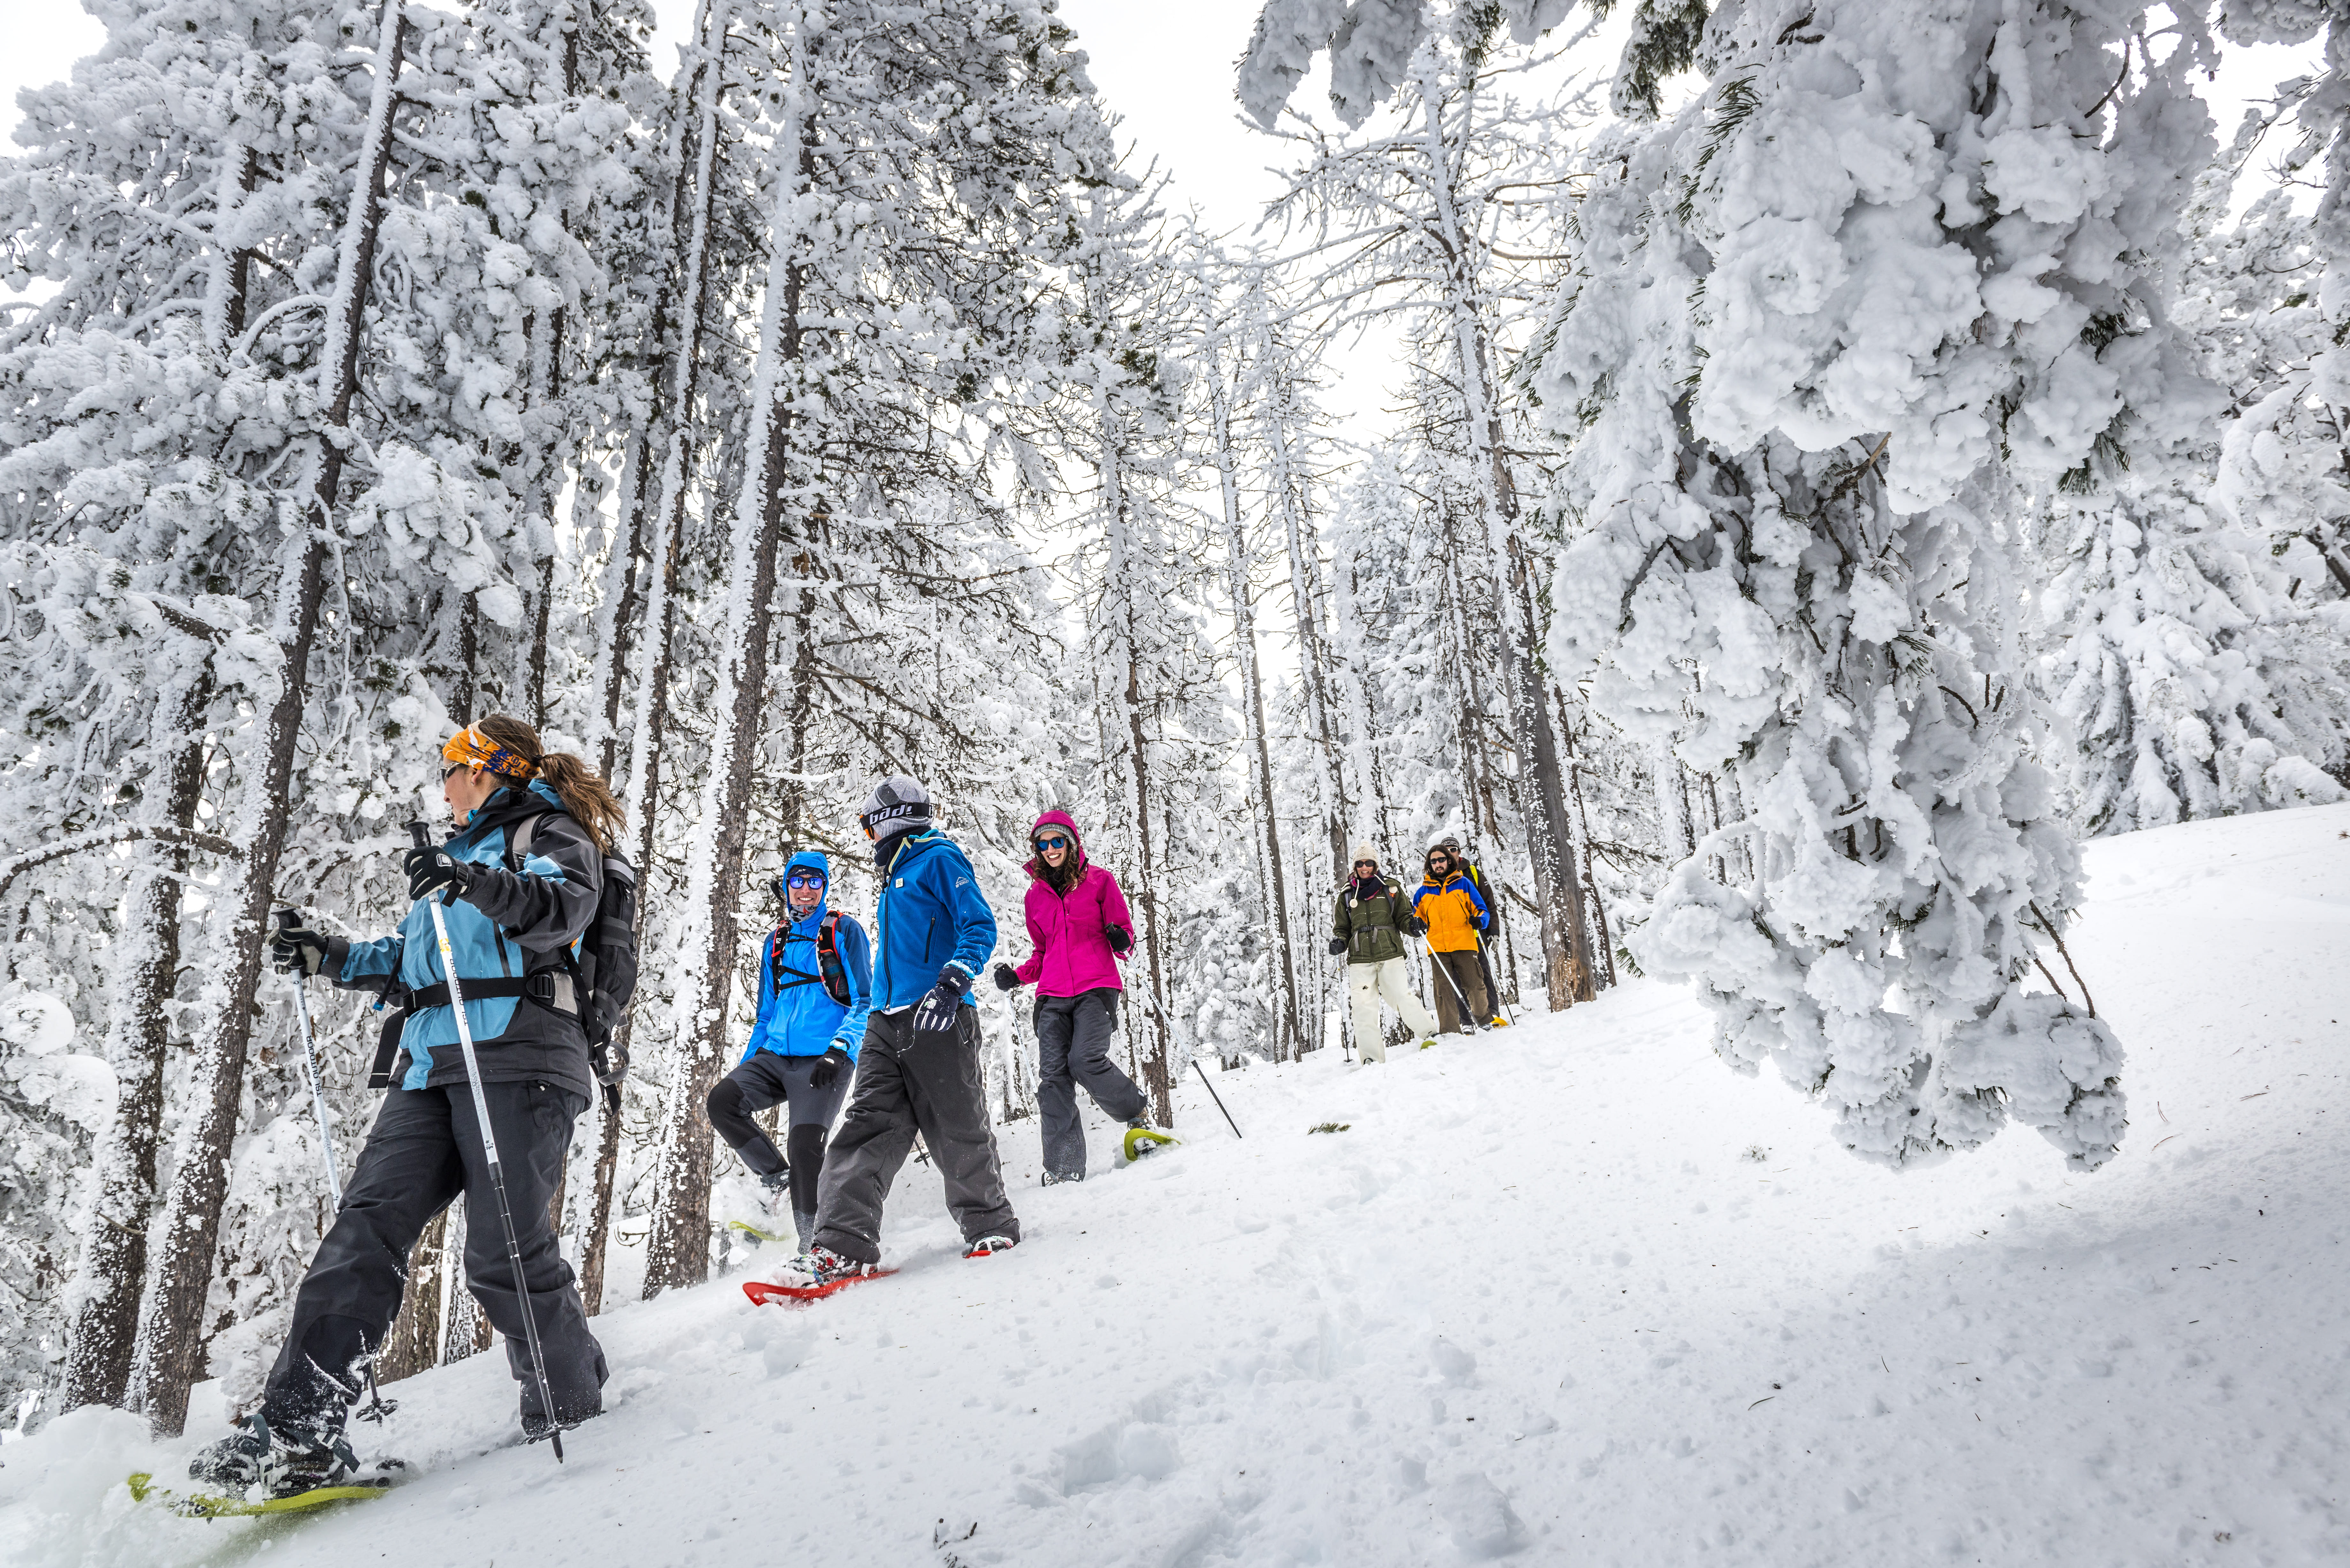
x=297, y=950
x=828, y=1067
x=1006, y=978
x=431, y=869
x=1415, y=927
x=1337, y=946
x=1119, y=939
x=936, y=1015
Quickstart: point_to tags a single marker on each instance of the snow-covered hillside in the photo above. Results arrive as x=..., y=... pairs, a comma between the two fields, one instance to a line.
x=1574, y=1292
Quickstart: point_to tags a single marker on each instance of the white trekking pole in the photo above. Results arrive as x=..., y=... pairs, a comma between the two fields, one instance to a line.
x=378, y=1406
x=423, y=838
x=286, y=919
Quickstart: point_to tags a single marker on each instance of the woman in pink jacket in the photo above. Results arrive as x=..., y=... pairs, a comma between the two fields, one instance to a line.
x=1078, y=924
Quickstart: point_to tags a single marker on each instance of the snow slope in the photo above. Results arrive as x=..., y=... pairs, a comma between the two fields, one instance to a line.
x=1574, y=1293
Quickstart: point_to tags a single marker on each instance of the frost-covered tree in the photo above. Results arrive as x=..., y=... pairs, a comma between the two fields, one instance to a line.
x=1418, y=220
x=1896, y=264
x=918, y=186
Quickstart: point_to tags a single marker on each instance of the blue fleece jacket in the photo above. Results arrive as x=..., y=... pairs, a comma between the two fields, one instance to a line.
x=797, y=1017
x=932, y=918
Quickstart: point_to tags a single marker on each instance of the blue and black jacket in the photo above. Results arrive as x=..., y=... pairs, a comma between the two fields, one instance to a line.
x=509, y=924
x=797, y=1016
x=932, y=916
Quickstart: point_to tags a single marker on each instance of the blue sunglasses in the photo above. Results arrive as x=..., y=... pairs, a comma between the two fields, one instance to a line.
x=1056, y=842
x=799, y=879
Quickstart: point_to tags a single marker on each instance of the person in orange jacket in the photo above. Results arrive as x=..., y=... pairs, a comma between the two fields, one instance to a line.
x=1448, y=903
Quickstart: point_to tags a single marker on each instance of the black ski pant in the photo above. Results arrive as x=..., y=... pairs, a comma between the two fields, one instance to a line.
x=1492, y=992
x=1072, y=1048
x=909, y=1082
x=767, y=1079
x=426, y=1150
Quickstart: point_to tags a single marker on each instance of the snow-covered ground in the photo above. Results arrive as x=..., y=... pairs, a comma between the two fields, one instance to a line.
x=1574, y=1292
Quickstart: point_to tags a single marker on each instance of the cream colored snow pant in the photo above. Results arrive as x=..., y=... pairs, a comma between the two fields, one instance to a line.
x=1366, y=985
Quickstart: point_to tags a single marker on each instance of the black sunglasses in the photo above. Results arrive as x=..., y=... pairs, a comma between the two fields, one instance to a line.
x=453, y=770
x=1056, y=842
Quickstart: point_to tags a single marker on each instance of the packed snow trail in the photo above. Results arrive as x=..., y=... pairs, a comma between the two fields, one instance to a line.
x=1573, y=1291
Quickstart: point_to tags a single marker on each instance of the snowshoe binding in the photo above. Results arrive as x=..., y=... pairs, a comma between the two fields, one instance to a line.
x=813, y=1275
x=988, y=1246
x=1497, y=1024
x=1142, y=1138
x=290, y=1471
x=1054, y=1178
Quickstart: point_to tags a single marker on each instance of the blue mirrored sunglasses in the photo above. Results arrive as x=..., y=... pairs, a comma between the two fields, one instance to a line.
x=801, y=879
x=1056, y=842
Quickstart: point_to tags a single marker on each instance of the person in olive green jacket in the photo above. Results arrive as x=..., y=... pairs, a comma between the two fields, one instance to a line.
x=1368, y=925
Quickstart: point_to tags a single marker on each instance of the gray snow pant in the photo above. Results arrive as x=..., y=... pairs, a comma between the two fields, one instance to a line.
x=909, y=1082
x=425, y=1150
x=1072, y=1048
x=763, y=1081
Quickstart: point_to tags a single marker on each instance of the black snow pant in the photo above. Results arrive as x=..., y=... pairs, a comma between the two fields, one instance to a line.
x=1492, y=992
x=1072, y=1048
x=909, y=1082
x=768, y=1079
x=426, y=1150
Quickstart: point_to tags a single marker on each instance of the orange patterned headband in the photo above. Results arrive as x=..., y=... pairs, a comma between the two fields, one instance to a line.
x=469, y=748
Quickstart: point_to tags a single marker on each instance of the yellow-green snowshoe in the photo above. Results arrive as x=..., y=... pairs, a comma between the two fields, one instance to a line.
x=1140, y=1141
x=200, y=1505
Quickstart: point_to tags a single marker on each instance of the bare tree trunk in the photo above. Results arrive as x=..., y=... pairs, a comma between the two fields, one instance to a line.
x=599, y=1219
x=677, y=1244
x=105, y=1330
x=174, y=1341
x=413, y=1346
x=1288, y=1033
x=1557, y=890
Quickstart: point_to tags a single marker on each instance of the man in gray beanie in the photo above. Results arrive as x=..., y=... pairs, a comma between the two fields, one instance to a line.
x=918, y=1068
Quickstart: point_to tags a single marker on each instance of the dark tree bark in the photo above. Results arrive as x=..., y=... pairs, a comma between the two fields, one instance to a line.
x=175, y=1330
x=105, y=1328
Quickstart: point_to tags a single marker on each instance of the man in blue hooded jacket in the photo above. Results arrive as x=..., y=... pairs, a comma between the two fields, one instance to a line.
x=919, y=1069
x=815, y=979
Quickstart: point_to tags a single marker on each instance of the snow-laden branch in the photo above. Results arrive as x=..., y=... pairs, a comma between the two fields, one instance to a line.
x=120, y=833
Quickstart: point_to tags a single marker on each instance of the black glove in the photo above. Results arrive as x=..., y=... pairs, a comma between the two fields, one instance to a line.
x=430, y=870
x=298, y=951
x=828, y=1067
x=936, y=1015
x=1119, y=937
x=1337, y=946
x=1006, y=978
x=1415, y=927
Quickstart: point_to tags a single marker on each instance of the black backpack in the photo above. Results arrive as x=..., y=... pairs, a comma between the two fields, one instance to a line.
x=605, y=971
x=829, y=972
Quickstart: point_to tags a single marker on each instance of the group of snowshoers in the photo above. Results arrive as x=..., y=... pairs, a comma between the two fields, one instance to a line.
x=885, y=1023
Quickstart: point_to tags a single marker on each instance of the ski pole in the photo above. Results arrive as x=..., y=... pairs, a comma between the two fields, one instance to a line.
x=1437, y=963
x=1215, y=1097
x=418, y=833
x=378, y=1406
x=286, y=919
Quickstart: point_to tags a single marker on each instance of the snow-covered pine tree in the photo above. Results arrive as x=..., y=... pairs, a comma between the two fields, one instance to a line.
x=1895, y=264
x=1225, y=377
x=1143, y=577
x=1422, y=206
x=2184, y=667
x=919, y=189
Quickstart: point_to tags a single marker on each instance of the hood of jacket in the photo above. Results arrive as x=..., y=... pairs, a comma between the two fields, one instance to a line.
x=1066, y=824
x=808, y=860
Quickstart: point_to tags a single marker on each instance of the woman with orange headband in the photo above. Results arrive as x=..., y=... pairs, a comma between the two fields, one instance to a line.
x=519, y=879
